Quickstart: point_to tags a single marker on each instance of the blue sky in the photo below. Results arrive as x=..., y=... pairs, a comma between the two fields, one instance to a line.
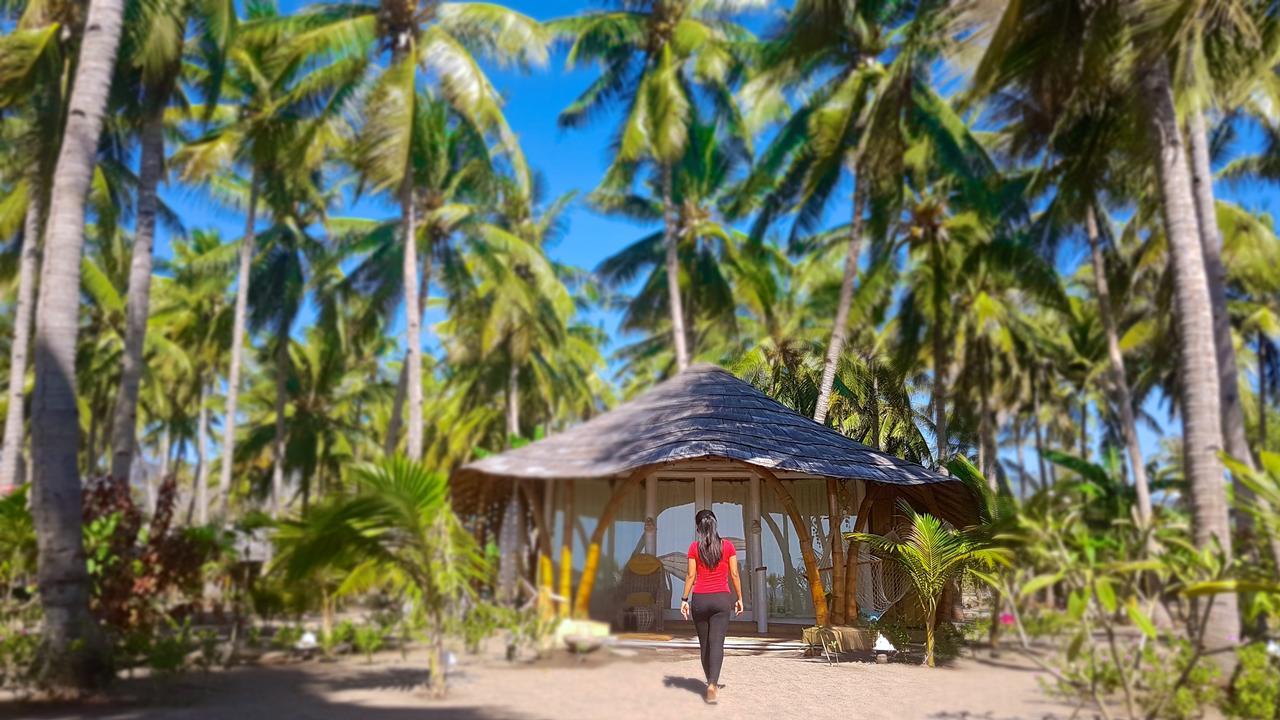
x=575, y=161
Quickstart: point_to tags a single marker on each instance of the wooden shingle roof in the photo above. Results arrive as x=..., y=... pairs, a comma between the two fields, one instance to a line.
x=703, y=413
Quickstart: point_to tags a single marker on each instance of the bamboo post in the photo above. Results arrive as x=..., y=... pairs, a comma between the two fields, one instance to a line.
x=806, y=547
x=759, y=601
x=851, y=576
x=651, y=515
x=582, y=601
x=566, y=550
x=545, y=572
x=835, y=519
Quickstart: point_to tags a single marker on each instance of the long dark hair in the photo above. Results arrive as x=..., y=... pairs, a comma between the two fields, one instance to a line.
x=710, y=546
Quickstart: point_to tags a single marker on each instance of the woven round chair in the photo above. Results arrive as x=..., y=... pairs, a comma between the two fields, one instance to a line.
x=644, y=593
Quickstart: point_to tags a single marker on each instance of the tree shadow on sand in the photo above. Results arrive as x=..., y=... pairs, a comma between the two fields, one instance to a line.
x=267, y=693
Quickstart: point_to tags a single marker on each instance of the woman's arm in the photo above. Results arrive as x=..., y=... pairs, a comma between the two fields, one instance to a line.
x=690, y=575
x=737, y=583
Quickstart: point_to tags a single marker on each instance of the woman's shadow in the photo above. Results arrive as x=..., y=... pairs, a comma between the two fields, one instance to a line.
x=697, y=687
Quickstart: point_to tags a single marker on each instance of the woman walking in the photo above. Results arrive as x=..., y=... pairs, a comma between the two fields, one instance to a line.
x=713, y=562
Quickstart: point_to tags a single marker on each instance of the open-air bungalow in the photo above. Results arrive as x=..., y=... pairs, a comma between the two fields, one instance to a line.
x=613, y=499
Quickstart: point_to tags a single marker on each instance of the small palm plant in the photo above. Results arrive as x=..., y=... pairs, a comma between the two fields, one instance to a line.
x=397, y=531
x=933, y=554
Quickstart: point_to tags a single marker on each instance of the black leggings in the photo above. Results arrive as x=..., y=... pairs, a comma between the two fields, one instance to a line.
x=711, y=613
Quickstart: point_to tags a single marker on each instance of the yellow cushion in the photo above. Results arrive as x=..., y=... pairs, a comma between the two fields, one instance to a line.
x=639, y=598
x=644, y=564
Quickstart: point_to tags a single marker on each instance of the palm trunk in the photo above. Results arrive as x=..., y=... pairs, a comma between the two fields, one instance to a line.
x=28, y=266
x=1022, y=461
x=277, y=444
x=247, y=252
x=73, y=656
x=1262, y=393
x=1233, y=427
x=670, y=242
x=162, y=473
x=513, y=398
x=396, y=421
x=91, y=444
x=202, y=459
x=875, y=410
x=1234, y=436
x=986, y=456
x=1084, y=425
x=511, y=545
x=840, y=329
x=1035, y=426
x=1119, y=379
x=413, y=320
x=124, y=424
x=939, y=371
x=1201, y=424
x=929, y=622
x=437, y=660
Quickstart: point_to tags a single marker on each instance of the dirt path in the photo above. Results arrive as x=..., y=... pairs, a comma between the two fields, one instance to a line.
x=649, y=685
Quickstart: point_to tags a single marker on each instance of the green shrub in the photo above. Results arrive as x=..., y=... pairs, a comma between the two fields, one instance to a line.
x=948, y=642
x=208, y=643
x=1191, y=695
x=1255, y=689
x=979, y=630
x=345, y=632
x=893, y=629
x=480, y=622
x=287, y=637
x=17, y=653
x=1046, y=623
x=368, y=640
x=167, y=652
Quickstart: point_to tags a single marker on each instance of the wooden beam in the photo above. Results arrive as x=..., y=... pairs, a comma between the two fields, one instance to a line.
x=806, y=547
x=566, y=549
x=853, y=567
x=651, y=515
x=545, y=573
x=583, y=601
x=835, y=519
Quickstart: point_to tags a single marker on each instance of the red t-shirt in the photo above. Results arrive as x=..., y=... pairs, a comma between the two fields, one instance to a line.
x=716, y=579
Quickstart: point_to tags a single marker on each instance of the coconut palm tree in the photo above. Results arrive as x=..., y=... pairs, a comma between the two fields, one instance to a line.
x=933, y=555
x=397, y=530
x=435, y=41
x=38, y=53
x=452, y=175
x=1105, y=43
x=862, y=79
x=654, y=56
x=74, y=655
x=696, y=186
x=192, y=304
x=514, y=317
x=279, y=126
x=147, y=82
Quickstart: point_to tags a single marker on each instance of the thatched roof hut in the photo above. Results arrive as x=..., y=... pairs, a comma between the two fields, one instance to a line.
x=707, y=420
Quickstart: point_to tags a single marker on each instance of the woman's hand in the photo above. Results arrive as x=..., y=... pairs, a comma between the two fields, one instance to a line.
x=737, y=607
x=684, y=608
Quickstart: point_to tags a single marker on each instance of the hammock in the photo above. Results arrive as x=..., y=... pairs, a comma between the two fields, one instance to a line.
x=881, y=582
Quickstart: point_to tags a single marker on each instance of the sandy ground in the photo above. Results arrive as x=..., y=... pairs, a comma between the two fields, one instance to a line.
x=650, y=684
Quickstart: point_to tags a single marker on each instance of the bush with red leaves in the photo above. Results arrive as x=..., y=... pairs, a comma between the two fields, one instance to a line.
x=136, y=567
